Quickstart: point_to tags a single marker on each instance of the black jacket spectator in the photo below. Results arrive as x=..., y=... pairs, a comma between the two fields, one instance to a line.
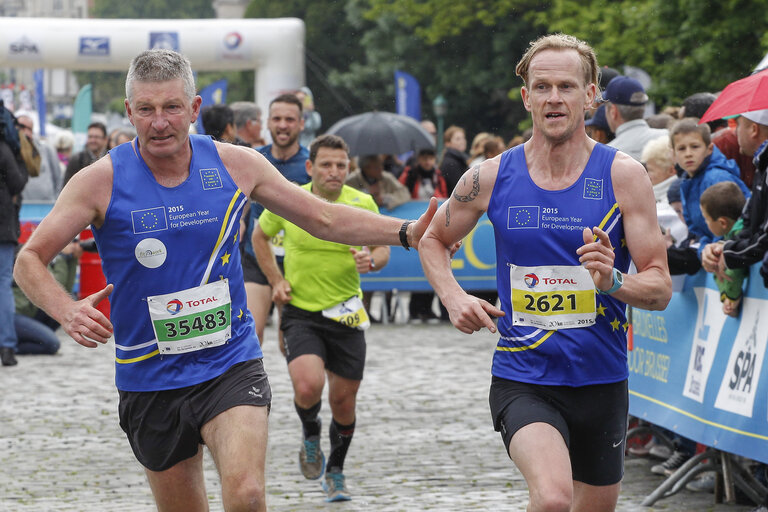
x=13, y=177
x=453, y=167
x=751, y=243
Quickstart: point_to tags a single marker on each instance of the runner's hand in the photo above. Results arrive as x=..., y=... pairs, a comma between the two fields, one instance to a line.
x=469, y=314
x=281, y=292
x=362, y=260
x=87, y=325
x=597, y=256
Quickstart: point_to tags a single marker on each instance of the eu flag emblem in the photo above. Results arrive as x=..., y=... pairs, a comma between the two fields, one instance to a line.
x=593, y=188
x=523, y=217
x=151, y=219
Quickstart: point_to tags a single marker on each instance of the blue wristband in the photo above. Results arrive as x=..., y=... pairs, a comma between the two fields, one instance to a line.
x=618, y=280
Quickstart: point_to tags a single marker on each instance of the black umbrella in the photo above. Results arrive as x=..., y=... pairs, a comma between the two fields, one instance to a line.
x=381, y=133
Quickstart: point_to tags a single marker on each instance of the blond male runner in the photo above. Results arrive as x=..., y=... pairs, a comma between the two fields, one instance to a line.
x=559, y=204
x=165, y=211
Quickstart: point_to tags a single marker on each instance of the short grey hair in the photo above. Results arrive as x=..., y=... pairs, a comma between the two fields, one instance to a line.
x=244, y=112
x=160, y=66
x=630, y=112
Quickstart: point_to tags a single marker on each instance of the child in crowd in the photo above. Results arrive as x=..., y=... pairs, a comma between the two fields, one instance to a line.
x=704, y=165
x=721, y=206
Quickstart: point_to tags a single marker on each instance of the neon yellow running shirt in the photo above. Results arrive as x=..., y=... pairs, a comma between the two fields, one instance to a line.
x=322, y=274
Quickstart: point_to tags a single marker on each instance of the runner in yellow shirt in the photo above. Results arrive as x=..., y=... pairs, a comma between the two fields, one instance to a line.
x=323, y=319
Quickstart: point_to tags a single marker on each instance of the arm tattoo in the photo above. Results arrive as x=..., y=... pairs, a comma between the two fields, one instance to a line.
x=448, y=213
x=475, y=186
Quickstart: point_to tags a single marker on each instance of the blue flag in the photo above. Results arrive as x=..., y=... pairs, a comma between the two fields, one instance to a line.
x=407, y=95
x=523, y=217
x=40, y=99
x=214, y=94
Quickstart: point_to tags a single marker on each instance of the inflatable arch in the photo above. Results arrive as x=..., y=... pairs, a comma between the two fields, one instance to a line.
x=274, y=48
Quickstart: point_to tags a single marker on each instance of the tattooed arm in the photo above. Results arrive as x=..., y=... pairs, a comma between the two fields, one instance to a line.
x=453, y=221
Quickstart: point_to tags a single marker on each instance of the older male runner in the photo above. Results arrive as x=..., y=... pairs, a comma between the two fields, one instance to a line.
x=165, y=212
x=567, y=213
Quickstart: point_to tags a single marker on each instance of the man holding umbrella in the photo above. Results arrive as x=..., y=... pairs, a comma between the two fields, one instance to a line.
x=751, y=244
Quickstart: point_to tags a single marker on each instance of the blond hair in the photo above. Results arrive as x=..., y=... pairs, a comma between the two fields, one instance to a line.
x=561, y=42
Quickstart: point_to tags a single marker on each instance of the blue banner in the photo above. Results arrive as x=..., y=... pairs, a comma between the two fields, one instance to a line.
x=407, y=95
x=474, y=265
x=698, y=372
x=214, y=94
x=40, y=100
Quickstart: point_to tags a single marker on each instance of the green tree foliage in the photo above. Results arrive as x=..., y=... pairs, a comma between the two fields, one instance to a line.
x=474, y=71
x=686, y=46
x=331, y=45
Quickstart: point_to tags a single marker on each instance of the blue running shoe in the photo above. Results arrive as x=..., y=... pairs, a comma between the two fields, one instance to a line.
x=311, y=458
x=335, y=487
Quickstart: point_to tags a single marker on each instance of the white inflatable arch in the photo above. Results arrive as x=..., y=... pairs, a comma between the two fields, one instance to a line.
x=274, y=48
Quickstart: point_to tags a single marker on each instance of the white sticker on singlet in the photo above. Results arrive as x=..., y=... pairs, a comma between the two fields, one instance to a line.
x=351, y=313
x=552, y=297
x=192, y=319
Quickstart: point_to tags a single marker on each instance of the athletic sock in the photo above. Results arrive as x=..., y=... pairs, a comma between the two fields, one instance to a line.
x=341, y=437
x=310, y=423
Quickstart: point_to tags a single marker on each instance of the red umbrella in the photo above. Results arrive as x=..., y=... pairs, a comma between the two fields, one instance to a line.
x=745, y=95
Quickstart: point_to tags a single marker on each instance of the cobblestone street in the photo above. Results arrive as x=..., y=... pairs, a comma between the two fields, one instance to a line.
x=424, y=439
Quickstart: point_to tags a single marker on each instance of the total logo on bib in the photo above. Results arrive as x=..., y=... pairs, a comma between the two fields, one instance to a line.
x=552, y=297
x=151, y=252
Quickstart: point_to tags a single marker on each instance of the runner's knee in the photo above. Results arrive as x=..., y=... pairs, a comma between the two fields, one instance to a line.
x=551, y=498
x=245, y=495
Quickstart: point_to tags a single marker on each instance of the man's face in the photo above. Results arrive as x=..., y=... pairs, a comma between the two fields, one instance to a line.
x=162, y=114
x=556, y=95
x=96, y=142
x=744, y=134
x=328, y=172
x=429, y=126
x=373, y=169
x=690, y=151
x=285, y=124
x=252, y=132
x=426, y=162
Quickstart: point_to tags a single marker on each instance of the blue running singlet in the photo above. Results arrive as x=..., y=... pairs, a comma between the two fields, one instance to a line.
x=536, y=227
x=157, y=241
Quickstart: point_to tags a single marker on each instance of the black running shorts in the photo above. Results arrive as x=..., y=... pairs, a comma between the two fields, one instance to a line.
x=252, y=272
x=342, y=348
x=163, y=427
x=592, y=420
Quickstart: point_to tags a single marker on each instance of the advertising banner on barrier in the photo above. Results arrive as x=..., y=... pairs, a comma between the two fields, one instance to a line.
x=474, y=265
x=698, y=372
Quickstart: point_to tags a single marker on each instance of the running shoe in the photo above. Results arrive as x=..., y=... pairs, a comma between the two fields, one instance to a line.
x=311, y=458
x=335, y=487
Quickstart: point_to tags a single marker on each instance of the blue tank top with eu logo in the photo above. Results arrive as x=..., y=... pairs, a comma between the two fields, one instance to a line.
x=175, y=248
x=542, y=229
